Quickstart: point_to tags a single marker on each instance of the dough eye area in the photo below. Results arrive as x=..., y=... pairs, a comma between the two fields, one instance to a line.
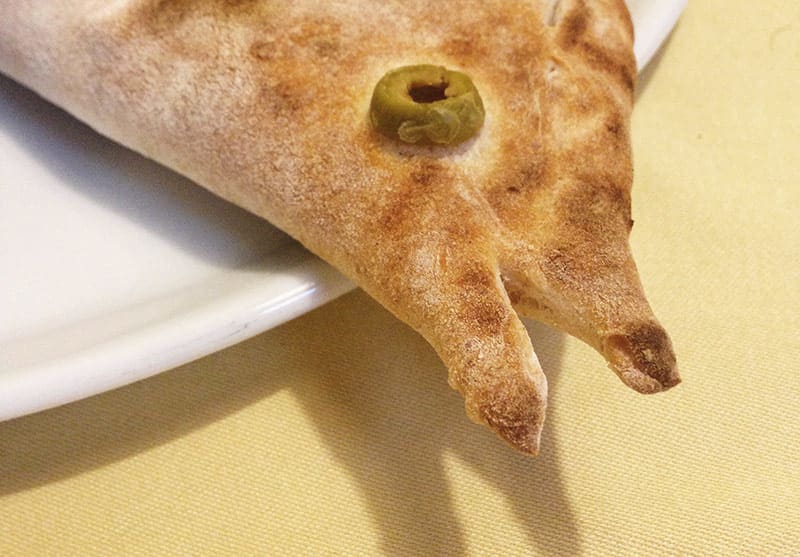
x=425, y=93
x=426, y=105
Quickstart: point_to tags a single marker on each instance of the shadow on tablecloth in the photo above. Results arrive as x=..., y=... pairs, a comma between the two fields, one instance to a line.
x=379, y=400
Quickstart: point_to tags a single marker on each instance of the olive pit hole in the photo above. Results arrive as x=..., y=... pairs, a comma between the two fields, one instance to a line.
x=426, y=93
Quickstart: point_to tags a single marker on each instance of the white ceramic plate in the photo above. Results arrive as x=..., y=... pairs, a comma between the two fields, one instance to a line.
x=114, y=268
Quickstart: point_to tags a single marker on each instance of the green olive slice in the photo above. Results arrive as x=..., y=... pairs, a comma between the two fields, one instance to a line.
x=426, y=104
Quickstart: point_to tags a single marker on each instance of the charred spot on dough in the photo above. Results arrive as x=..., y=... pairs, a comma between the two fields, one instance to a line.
x=476, y=278
x=513, y=409
x=623, y=71
x=648, y=349
x=572, y=36
x=518, y=434
x=573, y=26
x=616, y=127
x=486, y=317
x=614, y=132
x=396, y=214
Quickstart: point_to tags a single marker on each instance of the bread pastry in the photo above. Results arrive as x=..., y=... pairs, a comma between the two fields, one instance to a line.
x=270, y=105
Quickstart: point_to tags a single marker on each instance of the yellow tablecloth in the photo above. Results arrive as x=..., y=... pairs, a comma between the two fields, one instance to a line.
x=336, y=434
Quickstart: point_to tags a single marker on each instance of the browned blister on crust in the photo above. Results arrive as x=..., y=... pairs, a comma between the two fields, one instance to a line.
x=266, y=104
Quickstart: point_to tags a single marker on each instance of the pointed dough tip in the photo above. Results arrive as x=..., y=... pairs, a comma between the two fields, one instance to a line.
x=643, y=359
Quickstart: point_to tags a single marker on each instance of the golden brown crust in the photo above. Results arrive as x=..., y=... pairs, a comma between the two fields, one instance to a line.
x=265, y=103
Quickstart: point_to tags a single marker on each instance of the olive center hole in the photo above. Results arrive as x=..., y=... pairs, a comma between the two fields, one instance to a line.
x=428, y=93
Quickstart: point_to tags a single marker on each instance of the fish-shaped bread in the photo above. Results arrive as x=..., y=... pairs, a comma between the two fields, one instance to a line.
x=518, y=203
